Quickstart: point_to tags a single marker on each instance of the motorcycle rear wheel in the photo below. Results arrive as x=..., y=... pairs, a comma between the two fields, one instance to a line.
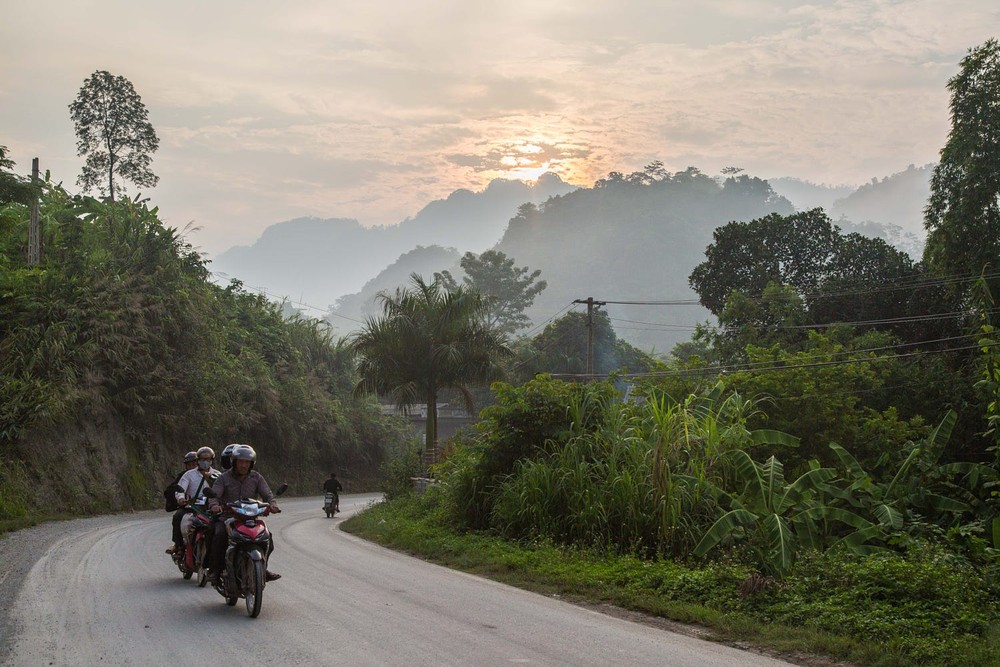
x=254, y=586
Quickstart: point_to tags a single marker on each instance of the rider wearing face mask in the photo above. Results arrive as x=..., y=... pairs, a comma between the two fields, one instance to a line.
x=193, y=484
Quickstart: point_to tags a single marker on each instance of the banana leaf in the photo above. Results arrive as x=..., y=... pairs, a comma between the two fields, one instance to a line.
x=722, y=529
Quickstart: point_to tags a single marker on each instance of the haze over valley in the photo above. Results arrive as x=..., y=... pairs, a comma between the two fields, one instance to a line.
x=616, y=241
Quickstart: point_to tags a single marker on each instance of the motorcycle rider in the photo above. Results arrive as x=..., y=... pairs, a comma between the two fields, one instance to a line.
x=240, y=481
x=190, y=462
x=193, y=484
x=334, y=486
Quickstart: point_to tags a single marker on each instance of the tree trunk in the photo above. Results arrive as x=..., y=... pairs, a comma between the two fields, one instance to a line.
x=430, y=436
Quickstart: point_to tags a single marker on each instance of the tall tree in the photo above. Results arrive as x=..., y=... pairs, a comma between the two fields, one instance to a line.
x=427, y=339
x=962, y=217
x=113, y=133
x=508, y=290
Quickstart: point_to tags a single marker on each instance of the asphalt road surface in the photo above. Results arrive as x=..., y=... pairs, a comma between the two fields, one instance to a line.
x=102, y=592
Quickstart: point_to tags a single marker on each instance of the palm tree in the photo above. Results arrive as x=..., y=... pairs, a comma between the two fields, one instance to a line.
x=426, y=340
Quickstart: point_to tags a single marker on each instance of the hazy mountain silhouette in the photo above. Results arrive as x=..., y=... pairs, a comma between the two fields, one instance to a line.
x=895, y=200
x=628, y=238
x=351, y=310
x=317, y=261
x=805, y=195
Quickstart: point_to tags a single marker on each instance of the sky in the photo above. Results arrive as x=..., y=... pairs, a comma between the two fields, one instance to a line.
x=269, y=111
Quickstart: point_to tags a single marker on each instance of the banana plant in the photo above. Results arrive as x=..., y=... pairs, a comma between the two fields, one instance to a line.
x=920, y=488
x=776, y=517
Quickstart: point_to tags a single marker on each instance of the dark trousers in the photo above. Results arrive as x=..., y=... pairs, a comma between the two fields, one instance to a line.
x=219, y=540
x=178, y=538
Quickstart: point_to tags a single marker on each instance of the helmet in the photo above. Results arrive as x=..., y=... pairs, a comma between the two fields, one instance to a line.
x=206, y=450
x=227, y=461
x=190, y=456
x=244, y=452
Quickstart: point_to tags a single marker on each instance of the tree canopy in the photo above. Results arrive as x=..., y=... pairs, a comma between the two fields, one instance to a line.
x=508, y=290
x=962, y=217
x=427, y=339
x=113, y=134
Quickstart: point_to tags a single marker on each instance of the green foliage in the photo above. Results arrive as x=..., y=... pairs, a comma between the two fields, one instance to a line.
x=120, y=330
x=428, y=339
x=113, y=134
x=920, y=606
x=507, y=289
x=523, y=422
x=397, y=473
x=561, y=348
x=963, y=215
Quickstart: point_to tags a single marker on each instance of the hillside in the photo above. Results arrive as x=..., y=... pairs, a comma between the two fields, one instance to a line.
x=622, y=240
x=317, y=261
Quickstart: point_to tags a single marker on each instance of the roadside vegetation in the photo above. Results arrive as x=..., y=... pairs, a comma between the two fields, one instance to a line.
x=119, y=352
x=817, y=470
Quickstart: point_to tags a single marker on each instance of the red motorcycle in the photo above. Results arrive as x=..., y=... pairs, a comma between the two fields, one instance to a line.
x=246, y=555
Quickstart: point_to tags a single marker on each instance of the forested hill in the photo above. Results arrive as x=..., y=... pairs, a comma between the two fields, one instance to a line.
x=318, y=261
x=118, y=355
x=633, y=238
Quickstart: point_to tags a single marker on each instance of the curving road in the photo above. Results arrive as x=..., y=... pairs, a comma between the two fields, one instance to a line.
x=104, y=593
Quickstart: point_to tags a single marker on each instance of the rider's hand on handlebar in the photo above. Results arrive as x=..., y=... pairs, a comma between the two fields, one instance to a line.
x=274, y=507
x=215, y=509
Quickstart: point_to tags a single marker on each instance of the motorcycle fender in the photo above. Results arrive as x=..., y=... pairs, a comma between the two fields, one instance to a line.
x=255, y=555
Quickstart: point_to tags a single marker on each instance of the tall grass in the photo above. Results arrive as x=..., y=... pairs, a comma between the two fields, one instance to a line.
x=646, y=481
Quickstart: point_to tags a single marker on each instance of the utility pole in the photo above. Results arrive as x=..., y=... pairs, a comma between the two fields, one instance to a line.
x=590, y=332
x=34, y=229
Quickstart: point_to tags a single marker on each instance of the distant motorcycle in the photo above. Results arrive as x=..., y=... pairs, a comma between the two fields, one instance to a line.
x=246, y=555
x=331, y=504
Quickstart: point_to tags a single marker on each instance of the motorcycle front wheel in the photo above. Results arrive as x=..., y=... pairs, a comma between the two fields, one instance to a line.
x=199, y=559
x=254, y=581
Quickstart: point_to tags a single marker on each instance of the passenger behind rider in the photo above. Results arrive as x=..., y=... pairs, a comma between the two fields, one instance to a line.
x=193, y=484
x=240, y=481
x=190, y=462
x=227, y=454
x=334, y=486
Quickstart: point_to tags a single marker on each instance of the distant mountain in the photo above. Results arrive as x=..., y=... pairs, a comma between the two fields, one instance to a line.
x=805, y=195
x=317, y=261
x=891, y=208
x=353, y=309
x=895, y=200
x=625, y=241
x=619, y=241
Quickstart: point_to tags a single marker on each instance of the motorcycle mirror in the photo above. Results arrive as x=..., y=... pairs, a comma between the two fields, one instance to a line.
x=281, y=489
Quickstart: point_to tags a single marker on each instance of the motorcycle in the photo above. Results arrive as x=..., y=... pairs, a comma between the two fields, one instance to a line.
x=196, y=554
x=246, y=554
x=331, y=504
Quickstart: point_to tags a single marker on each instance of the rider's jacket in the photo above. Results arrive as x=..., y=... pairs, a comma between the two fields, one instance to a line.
x=333, y=486
x=228, y=487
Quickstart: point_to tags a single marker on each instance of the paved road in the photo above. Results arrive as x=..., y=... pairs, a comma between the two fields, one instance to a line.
x=104, y=593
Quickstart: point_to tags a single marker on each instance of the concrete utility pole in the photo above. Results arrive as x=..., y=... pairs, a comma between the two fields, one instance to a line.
x=34, y=229
x=590, y=331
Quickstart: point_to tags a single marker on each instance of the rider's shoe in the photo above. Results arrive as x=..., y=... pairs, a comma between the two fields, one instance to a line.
x=213, y=577
x=172, y=549
x=271, y=576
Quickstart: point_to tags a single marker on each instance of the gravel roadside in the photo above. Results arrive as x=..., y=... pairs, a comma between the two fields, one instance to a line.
x=20, y=550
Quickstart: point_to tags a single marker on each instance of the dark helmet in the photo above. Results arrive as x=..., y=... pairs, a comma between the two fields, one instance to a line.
x=227, y=461
x=244, y=452
x=190, y=457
